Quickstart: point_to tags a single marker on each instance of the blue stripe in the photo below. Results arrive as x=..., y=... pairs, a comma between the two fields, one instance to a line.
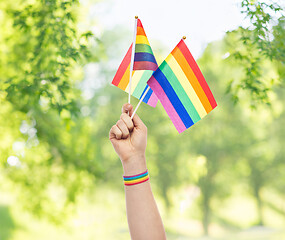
x=137, y=177
x=143, y=56
x=147, y=96
x=173, y=98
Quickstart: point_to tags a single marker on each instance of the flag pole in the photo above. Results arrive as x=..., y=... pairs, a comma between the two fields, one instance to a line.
x=132, y=58
x=145, y=93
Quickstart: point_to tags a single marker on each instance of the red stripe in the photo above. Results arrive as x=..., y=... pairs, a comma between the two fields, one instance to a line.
x=129, y=184
x=191, y=61
x=143, y=65
x=139, y=23
x=123, y=67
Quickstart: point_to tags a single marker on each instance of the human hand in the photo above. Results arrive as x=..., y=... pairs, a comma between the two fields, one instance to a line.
x=129, y=138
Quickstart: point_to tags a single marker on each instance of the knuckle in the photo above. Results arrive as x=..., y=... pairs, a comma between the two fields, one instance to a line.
x=112, y=129
x=118, y=132
x=126, y=135
x=123, y=115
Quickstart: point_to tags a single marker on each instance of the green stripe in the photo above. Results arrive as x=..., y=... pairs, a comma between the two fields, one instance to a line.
x=142, y=83
x=180, y=92
x=143, y=48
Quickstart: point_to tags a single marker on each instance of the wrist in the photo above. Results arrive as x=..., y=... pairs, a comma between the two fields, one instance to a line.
x=134, y=165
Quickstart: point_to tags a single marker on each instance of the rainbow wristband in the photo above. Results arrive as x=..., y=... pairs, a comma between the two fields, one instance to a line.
x=136, y=179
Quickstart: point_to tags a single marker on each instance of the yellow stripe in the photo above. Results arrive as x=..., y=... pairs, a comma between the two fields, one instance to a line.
x=188, y=71
x=171, y=61
x=137, y=180
x=135, y=80
x=141, y=40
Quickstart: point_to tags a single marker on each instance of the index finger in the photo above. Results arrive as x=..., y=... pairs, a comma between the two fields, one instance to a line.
x=127, y=108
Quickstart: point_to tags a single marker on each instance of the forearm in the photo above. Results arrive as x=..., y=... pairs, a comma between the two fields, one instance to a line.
x=129, y=139
x=143, y=216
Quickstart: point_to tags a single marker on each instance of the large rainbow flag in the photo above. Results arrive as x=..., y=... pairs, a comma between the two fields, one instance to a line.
x=182, y=89
x=144, y=66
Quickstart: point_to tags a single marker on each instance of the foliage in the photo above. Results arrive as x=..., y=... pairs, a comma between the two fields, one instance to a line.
x=42, y=46
x=41, y=49
x=261, y=41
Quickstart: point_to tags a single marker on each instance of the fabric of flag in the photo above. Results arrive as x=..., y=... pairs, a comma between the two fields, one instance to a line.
x=144, y=66
x=182, y=89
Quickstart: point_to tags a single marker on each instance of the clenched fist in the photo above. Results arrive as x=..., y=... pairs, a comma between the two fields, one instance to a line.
x=129, y=138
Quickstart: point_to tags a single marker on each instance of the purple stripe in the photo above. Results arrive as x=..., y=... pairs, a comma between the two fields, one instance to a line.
x=155, y=86
x=152, y=100
x=136, y=174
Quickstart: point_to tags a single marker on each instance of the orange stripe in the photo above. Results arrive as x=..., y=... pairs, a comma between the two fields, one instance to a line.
x=140, y=31
x=192, y=78
x=125, y=79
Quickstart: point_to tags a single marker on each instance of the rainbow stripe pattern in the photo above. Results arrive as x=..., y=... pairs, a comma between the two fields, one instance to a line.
x=182, y=89
x=144, y=66
x=136, y=179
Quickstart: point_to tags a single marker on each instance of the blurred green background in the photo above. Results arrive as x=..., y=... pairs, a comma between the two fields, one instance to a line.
x=224, y=178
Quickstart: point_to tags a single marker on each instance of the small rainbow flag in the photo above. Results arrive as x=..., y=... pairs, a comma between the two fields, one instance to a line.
x=182, y=89
x=144, y=66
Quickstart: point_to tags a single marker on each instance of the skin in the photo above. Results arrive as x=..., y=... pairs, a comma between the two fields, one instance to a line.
x=129, y=139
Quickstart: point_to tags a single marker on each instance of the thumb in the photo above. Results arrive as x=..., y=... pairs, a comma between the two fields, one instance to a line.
x=127, y=108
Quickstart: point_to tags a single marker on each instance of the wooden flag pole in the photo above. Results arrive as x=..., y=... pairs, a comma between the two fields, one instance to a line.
x=132, y=58
x=145, y=93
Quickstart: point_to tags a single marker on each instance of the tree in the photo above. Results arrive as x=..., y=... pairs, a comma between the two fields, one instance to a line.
x=41, y=48
x=263, y=40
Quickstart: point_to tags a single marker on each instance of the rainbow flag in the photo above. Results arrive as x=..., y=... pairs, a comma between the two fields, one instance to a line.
x=144, y=66
x=182, y=89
